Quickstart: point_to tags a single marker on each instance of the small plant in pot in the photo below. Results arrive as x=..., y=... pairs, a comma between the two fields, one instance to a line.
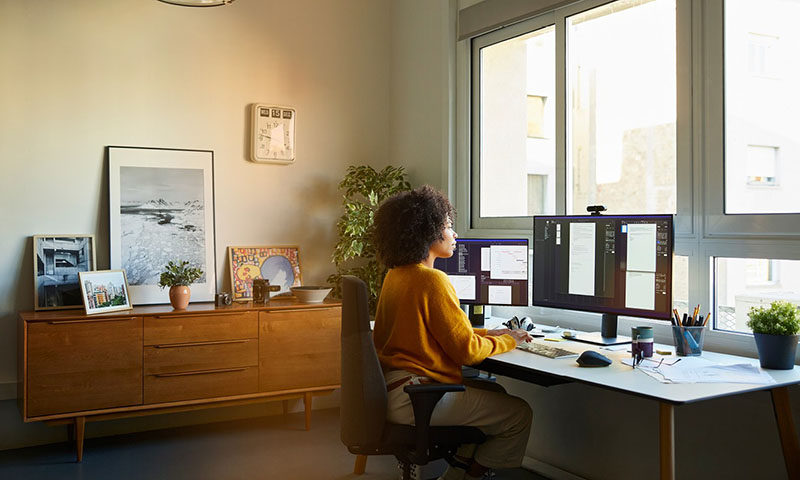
x=178, y=277
x=776, y=333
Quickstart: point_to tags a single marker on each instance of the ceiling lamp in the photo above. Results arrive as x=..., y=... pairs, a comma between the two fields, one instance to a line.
x=198, y=3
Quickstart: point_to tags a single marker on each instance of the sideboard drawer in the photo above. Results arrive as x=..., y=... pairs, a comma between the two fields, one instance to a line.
x=173, y=387
x=183, y=357
x=166, y=329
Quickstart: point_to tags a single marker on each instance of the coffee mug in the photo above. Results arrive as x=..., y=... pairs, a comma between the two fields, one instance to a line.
x=642, y=341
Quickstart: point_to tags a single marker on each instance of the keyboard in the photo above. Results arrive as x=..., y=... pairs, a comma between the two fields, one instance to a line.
x=546, y=350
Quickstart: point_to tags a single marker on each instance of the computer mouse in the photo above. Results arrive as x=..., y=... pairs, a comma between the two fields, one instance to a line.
x=590, y=358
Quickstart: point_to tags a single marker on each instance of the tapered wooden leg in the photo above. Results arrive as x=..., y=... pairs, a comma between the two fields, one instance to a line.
x=80, y=423
x=361, y=465
x=786, y=430
x=666, y=439
x=285, y=406
x=307, y=404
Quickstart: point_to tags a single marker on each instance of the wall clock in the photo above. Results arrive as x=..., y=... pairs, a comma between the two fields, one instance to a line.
x=272, y=134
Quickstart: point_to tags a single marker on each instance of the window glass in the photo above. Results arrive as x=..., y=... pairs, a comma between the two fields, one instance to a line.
x=517, y=126
x=680, y=283
x=742, y=283
x=621, y=108
x=762, y=44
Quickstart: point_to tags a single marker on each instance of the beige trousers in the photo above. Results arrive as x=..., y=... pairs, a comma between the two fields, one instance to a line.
x=504, y=419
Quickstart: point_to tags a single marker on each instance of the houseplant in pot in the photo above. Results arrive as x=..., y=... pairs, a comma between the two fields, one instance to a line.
x=178, y=277
x=776, y=332
x=364, y=190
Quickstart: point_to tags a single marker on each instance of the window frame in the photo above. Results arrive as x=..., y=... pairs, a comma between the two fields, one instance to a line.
x=703, y=230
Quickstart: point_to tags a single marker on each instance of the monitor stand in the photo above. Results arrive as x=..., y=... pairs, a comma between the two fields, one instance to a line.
x=607, y=334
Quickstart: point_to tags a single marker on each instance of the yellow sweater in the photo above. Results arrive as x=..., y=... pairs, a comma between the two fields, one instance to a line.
x=419, y=326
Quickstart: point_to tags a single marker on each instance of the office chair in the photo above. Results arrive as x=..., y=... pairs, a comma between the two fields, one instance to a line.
x=364, y=429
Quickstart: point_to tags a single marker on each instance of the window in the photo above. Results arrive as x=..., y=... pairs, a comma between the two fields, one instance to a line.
x=743, y=283
x=517, y=121
x=618, y=99
x=762, y=44
x=662, y=106
x=621, y=109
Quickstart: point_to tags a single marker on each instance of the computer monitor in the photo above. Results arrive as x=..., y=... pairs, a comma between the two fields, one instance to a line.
x=488, y=272
x=610, y=264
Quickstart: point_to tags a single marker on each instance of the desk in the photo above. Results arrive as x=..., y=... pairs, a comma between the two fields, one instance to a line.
x=544, y=371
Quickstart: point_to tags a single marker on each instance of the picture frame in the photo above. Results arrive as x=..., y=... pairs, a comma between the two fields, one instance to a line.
x=161, y=206
x=280, y=265
x=57, y=261
x=105, y=291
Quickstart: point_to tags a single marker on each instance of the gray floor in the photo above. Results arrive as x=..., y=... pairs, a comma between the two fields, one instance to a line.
x=274, y=447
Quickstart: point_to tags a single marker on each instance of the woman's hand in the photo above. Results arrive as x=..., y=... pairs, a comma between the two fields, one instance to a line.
x=519, y=335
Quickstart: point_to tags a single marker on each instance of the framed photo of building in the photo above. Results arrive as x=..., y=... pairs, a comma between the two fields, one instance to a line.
x=279, y=265
x=104, y=291
x=57, y=261
x=161, y=204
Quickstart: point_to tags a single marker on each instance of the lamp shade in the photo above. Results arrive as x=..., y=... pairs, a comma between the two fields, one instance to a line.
x=198, y=3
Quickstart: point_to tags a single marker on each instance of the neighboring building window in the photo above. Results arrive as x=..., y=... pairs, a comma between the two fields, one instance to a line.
x=761, y=165
x=761, y=101
x=760, y=49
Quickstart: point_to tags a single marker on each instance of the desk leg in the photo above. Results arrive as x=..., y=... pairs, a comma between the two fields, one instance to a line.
x=666, y=439
x=783, y=414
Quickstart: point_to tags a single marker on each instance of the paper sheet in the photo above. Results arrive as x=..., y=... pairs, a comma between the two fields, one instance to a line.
x=700, y=370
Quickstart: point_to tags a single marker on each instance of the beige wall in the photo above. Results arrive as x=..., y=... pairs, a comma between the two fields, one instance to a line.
x=77, y=76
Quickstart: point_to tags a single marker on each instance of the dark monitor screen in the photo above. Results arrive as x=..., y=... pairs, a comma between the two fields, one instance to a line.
x=611, y=264
x=488, y=271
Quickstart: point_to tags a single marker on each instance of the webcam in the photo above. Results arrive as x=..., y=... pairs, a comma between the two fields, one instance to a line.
x=596, y=209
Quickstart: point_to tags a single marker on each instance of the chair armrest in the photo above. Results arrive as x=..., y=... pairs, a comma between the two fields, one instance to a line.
x=424, y=398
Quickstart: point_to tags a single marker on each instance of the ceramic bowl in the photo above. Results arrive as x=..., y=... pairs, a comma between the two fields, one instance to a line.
x=310, y=294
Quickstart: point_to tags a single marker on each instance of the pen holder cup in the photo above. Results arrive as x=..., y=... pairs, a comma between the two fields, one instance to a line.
x=688, y=340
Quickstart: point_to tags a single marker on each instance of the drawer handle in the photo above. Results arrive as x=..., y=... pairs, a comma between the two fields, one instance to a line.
x=201, y=372
x=299, y=310
x=195, y=314
x=199, y=344
x=90, y=320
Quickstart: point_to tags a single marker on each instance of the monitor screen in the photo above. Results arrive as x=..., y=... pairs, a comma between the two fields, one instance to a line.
x=611, y=264
x=488, y=271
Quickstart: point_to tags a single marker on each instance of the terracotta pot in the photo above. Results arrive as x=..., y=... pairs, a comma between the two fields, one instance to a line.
x=179, y=297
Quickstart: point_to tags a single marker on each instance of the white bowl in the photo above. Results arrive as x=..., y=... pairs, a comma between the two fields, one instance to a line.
x=310, y=294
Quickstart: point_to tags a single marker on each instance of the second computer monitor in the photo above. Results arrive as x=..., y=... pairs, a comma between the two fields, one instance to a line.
x=610, y=264
x=488, y=271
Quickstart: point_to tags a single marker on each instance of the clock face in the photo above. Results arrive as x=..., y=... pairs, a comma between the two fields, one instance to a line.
x=273, y=134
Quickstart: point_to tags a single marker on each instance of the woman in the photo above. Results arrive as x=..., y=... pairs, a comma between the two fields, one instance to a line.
x=421, y=334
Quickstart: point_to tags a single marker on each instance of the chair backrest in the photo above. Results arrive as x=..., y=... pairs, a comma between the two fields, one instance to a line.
x=363, y=394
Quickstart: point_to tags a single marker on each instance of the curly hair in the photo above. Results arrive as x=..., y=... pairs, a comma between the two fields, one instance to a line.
x=407, y=224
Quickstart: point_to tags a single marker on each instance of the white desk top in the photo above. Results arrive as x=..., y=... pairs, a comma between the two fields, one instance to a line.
x=626, y=379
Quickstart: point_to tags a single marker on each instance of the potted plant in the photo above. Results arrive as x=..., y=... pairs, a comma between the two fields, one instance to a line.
x=776, y=332
x=178, y=277
x=364, y=190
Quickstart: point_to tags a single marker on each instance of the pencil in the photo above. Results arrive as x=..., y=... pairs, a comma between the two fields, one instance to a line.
x=706, y=320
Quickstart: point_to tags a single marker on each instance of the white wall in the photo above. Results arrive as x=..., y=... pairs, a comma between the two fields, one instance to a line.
x=77, y=76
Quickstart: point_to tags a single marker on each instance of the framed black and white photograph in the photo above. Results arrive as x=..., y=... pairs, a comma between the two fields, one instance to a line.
x=57, y=261
x=104, y=291
x=161, y=203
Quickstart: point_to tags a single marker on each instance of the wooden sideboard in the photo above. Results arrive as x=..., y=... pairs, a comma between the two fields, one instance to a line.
x=75, y=368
